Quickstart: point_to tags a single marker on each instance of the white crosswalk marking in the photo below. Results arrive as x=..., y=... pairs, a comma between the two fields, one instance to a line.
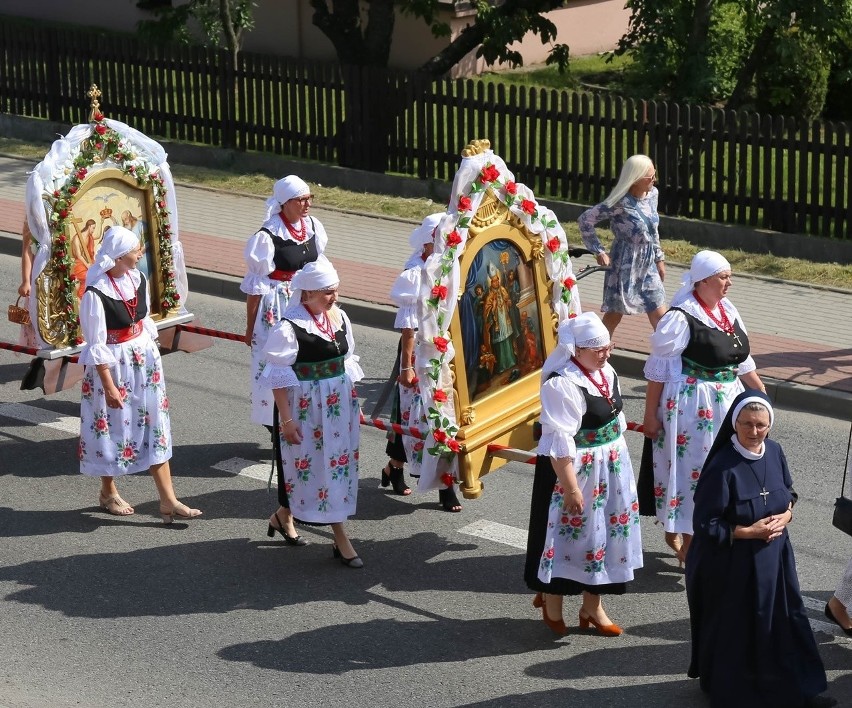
x=499, y=533
x=41, y=416
x=246, y=468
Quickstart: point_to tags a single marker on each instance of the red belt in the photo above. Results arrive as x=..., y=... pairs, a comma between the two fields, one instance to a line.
x=117, y=336
x=285, y=275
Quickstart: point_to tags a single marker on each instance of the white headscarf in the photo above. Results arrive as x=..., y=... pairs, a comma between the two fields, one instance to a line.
x=704, y=264
x=284, y=190
x=318, y=275
x=584, y=331
x=117, y=242
x=425, y=233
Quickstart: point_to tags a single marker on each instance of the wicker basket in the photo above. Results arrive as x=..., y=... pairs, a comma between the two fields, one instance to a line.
x=18, y=314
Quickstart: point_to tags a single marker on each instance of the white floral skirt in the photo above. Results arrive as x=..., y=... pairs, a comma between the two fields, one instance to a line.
x=692, y=411
x=118, y=441
x=321, y=473
x=272, y=306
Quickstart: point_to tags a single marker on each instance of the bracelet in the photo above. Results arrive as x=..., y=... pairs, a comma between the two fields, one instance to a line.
x=408, y=368
x=289, y=420
x=574, y=491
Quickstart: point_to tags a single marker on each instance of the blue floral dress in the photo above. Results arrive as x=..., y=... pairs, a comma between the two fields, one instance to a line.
x=632, y=285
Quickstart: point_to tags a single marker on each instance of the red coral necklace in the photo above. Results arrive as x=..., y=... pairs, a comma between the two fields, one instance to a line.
x=325, y=327
x=602, y=387
x=130, y=305
x=299, y=234
x=723, y=322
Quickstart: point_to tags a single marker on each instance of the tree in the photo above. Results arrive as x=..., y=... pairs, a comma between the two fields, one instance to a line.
x=362, y=31
x=712, y=49
x=223, y=22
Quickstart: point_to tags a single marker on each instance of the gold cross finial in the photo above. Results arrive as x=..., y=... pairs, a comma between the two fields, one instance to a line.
x=94, y=93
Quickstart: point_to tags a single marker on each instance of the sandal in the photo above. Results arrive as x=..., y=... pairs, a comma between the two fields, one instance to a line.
x=448, y=500
x=396, y=479
x=115, y=505
x=179, y=511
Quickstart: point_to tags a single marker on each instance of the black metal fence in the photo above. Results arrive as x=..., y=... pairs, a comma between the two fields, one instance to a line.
x=741, y=168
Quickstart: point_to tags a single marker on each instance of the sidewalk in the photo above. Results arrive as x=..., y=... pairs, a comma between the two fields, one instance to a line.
x=801, y=336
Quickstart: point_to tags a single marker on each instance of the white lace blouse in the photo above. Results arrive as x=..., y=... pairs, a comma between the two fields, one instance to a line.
x=282, y=347
x=405, y=294
x=562, y=408
x=93, y=321
x=672, y=336
x=259, y=253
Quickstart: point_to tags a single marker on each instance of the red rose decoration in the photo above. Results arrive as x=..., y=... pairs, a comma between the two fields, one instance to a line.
x=447, y=479
x=709, y=414
x=576, y=522
x=528, y=206
x=441, y=344
x=613, y=519
x=464, y=204
x=100, y=129
x=673, y=503
x=511, y=188
x=635, y=506
x=589, y=557
x=439, y=291
x=99, y=116
x=453, y=238
x=440, y=396
x=553, y=245
x=623, y=519
x=691, y=379
x=453, y=444
x=658, y=491
x=568, y=283
x=81, y=173
x=488, y=174
x=440, y=436
x=72, y=189
x=670, y=404
x=681, y=439
x=599, y=555
x=63, y=213
x=549, y=553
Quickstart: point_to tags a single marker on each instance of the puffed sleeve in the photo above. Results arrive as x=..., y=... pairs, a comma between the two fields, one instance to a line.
x=93, y=325
x=562, y=409
x=320, y=235
x=667, y=344
x=405, y=294
x=712, y=497
x=350, y=361
x=749, y=364
x=279, y=355
x=587, y=222
x=258, y=255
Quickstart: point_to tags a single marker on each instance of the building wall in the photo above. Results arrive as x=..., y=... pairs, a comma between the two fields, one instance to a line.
x=285, y=28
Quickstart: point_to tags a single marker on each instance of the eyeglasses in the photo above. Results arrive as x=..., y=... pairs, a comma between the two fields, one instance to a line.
x=303, y=200
x=759, y=427
x=603, y=350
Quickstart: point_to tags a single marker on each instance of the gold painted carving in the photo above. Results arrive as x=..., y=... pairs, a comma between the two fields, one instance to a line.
x=468, y=415
x=52, y=323
x=476, y=147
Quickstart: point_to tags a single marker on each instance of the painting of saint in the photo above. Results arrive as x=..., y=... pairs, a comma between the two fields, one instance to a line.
x=83, y=247
x=499, y=319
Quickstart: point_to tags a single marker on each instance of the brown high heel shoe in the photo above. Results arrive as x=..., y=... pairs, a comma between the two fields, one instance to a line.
x=557, y=626
x=607, y=630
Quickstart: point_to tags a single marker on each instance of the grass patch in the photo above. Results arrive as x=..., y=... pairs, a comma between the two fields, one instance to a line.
x=677, y=251
x=593, y=70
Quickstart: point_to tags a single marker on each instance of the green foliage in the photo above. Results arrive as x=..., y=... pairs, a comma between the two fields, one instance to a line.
x=794, y=78
x=728, y=47
x=174, y=24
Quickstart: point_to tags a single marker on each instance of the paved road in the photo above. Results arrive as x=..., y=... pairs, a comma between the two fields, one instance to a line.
x=104, y=612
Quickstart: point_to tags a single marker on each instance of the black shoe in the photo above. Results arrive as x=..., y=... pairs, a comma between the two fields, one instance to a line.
x=353, y=562
x=396, y=479
x=830, y=615
x=289, y=540
x=448, y=500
